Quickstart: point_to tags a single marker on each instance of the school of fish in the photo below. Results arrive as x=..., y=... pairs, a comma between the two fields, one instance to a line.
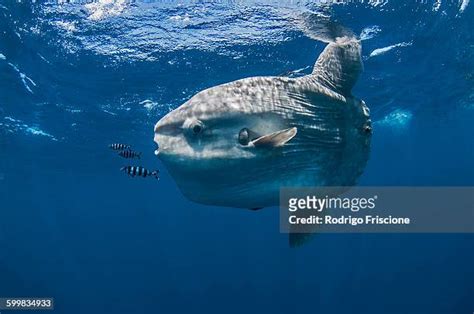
x=125, y=151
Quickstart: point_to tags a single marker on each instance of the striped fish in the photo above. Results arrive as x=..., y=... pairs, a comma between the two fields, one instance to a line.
x=129, y=154
x=119, y=146
x=140, y=171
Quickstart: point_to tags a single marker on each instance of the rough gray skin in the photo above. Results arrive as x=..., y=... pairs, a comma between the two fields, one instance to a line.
x=198, y=142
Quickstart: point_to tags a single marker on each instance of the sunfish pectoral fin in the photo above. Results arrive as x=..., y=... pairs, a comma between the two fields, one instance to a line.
x=339, y=65
x=275, y=139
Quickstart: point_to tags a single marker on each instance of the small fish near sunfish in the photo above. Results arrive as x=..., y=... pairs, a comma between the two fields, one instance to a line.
x=140, y=171
x=129, y=154
x=119, y=146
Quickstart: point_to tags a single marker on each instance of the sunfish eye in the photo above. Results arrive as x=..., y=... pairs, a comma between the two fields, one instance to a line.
x=244, y=136
x=197, y=129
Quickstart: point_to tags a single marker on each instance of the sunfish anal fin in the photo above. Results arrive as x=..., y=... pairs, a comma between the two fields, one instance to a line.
x=298, y=239
x=275, y=139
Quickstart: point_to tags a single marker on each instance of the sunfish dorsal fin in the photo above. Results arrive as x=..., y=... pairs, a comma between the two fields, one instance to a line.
x=275, y=139
x=339, y=65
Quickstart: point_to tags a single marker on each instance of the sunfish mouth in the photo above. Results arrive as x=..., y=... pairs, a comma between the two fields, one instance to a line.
x=157, y=150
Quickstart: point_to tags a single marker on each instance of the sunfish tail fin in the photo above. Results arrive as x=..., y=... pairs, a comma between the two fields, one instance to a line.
x=339, y=65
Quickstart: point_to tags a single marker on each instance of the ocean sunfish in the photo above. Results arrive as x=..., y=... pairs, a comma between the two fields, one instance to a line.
x=237, y=143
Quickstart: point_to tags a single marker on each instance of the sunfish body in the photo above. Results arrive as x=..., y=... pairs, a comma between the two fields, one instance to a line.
x=238, y=143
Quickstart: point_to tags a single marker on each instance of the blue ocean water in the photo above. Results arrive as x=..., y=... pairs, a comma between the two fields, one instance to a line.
x=75, y=77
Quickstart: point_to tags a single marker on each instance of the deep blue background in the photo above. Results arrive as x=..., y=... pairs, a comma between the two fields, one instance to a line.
x=74, y=228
